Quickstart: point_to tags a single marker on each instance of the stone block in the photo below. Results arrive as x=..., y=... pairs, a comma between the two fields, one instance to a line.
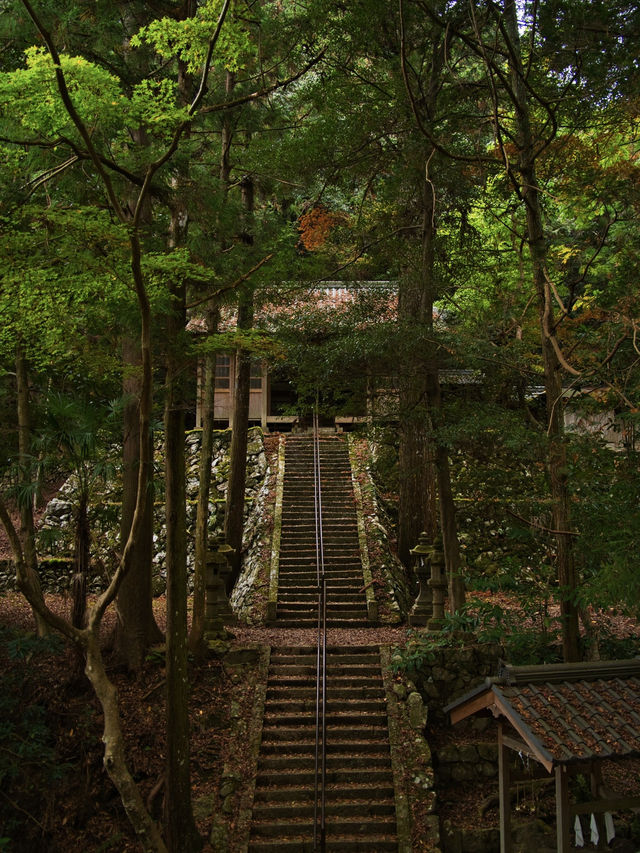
x=417, y=711
x=448, y=754
x=468, y=753
x=488, y=751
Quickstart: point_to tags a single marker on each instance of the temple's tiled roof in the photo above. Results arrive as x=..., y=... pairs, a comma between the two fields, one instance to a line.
x=565, y=714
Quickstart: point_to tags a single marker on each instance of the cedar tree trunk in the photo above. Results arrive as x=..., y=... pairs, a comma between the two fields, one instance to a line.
x=557, y=454
x=27, y=526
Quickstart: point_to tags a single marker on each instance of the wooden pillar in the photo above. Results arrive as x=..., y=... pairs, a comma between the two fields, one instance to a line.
x=596, y=784
x=199, y=392
x=233, y=367
x=504, y=777
x=264, y=396
x=563, y=816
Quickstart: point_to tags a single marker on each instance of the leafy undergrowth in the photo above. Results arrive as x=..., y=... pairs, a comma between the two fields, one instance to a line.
x=54, y=793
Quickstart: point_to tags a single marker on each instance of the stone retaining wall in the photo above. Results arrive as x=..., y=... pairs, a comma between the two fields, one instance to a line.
x=55, y=536
x=444, y=673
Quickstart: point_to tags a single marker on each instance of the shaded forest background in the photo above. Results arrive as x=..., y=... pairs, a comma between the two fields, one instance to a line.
x=166, y=162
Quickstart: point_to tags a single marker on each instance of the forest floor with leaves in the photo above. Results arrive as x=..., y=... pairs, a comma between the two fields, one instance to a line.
x=54, y=784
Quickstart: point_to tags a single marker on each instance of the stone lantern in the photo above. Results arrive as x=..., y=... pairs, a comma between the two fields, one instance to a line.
x=422, y=610
x=438, y=585
x=217, y=610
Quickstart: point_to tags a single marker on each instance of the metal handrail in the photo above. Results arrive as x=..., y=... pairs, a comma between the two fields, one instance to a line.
x=319, y=831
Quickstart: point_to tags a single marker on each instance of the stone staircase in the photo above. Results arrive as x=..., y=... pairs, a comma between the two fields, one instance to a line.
x=360, y=806
x=297, y=582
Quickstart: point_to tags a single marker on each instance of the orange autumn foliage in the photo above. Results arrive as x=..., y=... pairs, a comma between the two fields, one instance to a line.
x=315, y=226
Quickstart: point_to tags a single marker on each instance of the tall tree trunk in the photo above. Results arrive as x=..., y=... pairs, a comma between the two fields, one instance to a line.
x=80, y=579
x=182, y=833
x=136, y=627
x=27, y=526
x=204, y=489
x=114, y=760
x=416, y=481
x=208, y=403
x=234, y=512
x=557, y=453
x=446, y=505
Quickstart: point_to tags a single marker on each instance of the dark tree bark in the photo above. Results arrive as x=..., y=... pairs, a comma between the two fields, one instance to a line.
x=424, y=462
x=136, y=628
x=182, y=833
x=204, y=489
x=446, y=505
x=27, y=526
x=234, y=511
x=557, y=454
x=416, y=488
x=208, y=402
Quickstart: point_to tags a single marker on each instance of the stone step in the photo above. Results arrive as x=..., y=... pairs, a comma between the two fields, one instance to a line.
x=307, y=669
x=332, y=556
x=306, y=508
x=367, y=779
x=361, y=674
x=351, y=709
x=359, y=683
x=351, y=809
x=287, y=559
x=349, y=610
x=301, y=692
x=334, y=791
x=277, y=734
x=333, y=518
x=310, y=622
x=334, y=585
x=303, y=483
x=342, y=534
x=344, y=576
x=336, y=825
x=310, y=598
x=281, y=763
x=341, y=844
x=334, y=747
x=340, y=714
x=336, y=655
x=345, y=547
x=305, y=606
x=331, y=538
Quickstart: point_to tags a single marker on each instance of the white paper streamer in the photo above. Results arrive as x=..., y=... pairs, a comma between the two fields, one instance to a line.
x=611, y=830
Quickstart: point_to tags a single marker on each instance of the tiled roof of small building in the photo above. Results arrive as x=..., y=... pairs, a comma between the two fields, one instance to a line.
x=293, y=298
x=566, y=713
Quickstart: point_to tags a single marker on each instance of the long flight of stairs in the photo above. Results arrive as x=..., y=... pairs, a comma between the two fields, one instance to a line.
x=297, y=585
x=360, y=810
x=360, y=801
